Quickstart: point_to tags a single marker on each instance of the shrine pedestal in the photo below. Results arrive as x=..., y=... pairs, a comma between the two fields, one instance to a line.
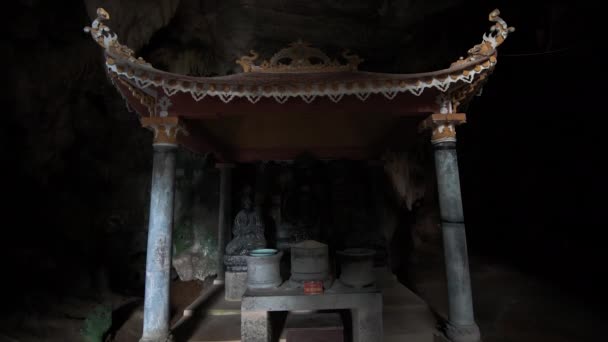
x=236, y=285
x=365, y=307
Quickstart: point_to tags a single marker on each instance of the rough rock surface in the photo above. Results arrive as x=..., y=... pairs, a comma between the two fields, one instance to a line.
x=205, y=37
x=195, y=217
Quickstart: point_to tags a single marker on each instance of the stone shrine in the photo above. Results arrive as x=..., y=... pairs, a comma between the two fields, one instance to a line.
x=299, y=98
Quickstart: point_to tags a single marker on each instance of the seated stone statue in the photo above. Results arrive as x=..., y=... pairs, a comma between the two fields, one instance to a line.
x=248, y=230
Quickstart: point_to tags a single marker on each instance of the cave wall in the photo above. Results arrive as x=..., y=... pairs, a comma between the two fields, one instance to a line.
x=206, y=37
x=195, y=217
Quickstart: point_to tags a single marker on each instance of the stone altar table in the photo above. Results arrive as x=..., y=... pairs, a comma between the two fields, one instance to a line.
x=365, y=306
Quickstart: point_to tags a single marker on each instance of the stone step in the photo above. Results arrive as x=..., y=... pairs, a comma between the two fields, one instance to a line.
x=413, y=337
x=222, y=328
x=402, y=299
x=405, y=321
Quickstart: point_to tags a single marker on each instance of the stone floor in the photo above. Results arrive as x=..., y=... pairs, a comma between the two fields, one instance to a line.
x=510, y=307
x=214, y=320
x=514, y=307
x=406, y=317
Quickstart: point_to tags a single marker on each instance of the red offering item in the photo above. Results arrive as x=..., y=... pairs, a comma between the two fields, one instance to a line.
x=313, y=287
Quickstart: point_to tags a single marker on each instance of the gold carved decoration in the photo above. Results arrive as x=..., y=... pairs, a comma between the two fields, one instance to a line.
x=246, y=62
x=147, y=100
x=443, y=133
x=461, y=95
x=106, y=38
x=498, y=33
x=443, y=126
x=166, y=129
x=299, y=57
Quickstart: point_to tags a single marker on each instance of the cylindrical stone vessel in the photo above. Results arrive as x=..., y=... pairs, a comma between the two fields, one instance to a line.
x=309, y=261
x=357, y=267
x=263, y=271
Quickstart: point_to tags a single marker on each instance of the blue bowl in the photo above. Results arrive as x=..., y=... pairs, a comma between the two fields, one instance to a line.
x=263, y=252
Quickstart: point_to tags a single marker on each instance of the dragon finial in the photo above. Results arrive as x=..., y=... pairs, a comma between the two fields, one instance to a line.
x=246, y=62
x=108, y=39
x=100, y=32
x=501, y=29
x=352, y=60
x=498, y=33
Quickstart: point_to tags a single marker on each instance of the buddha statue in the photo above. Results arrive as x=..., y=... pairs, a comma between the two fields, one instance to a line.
x=248, y=229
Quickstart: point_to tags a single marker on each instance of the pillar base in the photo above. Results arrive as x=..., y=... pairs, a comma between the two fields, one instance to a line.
x=236, y=284
x=462, y=333
x=168, y=338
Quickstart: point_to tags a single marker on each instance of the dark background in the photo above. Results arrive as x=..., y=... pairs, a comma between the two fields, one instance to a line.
x=532, y=151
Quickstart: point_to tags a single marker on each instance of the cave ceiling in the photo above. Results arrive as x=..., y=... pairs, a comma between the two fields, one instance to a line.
x=204, y=38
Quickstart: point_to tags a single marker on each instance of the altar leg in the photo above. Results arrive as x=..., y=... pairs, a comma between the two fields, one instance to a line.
x=367, y=321
x=255, y=326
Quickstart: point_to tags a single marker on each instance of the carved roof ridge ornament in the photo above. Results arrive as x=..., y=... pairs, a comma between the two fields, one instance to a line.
x=300, y=57
x=498, y=33
x=108, y=39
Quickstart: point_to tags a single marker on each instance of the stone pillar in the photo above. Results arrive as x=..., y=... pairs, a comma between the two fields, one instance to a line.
x=158, y=258
x=223, y=232
x=461, y=326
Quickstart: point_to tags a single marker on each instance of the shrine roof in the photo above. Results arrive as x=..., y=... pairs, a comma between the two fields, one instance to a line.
x=298, y=101
x=298, y=72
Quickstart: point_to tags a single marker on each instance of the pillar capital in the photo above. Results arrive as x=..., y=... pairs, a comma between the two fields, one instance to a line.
x=166, y=129
x=443, y=126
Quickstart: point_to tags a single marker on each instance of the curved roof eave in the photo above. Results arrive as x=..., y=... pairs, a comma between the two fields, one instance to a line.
x=462, y=74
